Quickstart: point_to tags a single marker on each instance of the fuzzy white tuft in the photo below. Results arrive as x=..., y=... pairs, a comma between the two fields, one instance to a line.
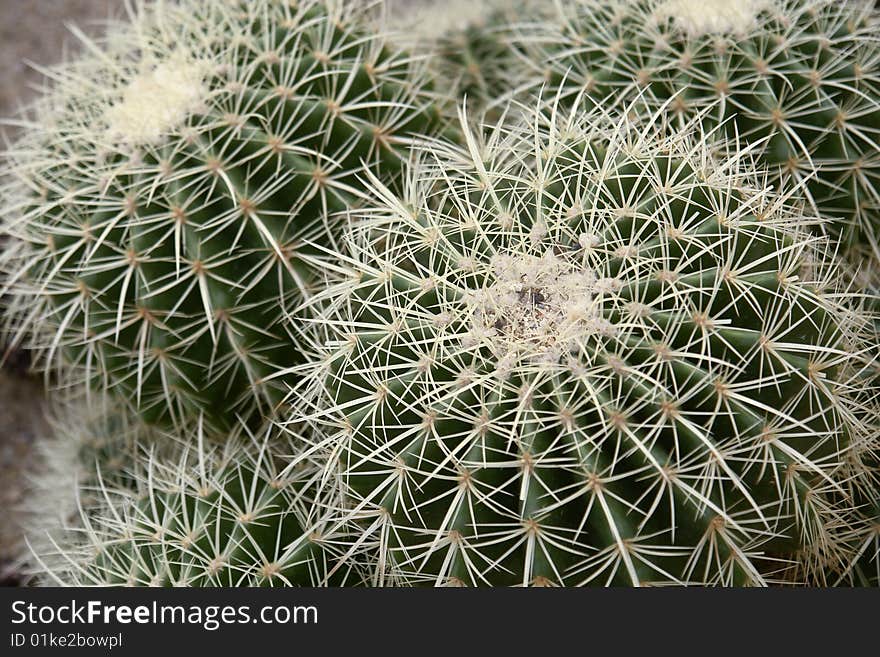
x=699, y=17
x=158, y=101
x=541, y=305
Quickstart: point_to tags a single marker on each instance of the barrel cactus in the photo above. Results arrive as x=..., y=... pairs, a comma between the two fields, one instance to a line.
x=90, y=447
x=163, y=205
x=799, y=77
x=191, y=513
x=585, y=351
x=468, y=43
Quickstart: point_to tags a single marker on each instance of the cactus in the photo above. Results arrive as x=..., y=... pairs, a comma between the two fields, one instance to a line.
x=799, y=77
x=91, y=447
x=195, y=515
x=163, y=202
x=865, y=567
x=585, y=351
x=467, y=44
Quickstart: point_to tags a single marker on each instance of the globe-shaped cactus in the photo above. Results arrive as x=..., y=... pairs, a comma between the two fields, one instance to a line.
x=798, y=78
x=163, y=204
x=585, y=351
x=189, y=514
x=468, y=44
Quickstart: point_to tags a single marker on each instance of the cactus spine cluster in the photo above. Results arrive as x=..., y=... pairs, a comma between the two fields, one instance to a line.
x=162, y=209
x=585, y=352
x=598, y=333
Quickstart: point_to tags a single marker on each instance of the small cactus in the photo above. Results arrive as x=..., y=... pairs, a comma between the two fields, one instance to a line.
x=196, y=515
x=585, y=351
x=467, y=44
x=89, y=448
x=799, y=77
x=162, y=205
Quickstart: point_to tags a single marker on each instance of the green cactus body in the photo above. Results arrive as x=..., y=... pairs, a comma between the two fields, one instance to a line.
x=802, y=78
x=585, y=353
x=164, y=207
x=186, y=514
x=470, y=53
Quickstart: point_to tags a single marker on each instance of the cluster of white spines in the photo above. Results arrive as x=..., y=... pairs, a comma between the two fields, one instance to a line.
x=538, y=306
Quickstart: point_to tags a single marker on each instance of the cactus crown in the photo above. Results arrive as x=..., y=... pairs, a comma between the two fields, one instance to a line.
x=156, y=102
x=699, y=17
x=586, y=351
x=162, y=207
